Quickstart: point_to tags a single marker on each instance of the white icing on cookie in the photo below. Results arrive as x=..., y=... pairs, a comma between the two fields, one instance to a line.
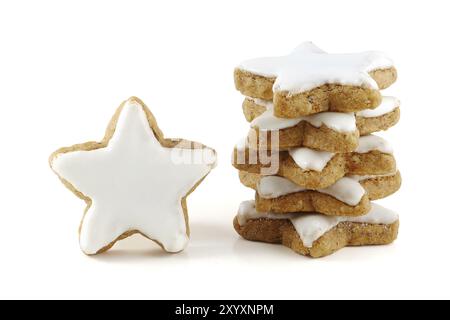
x=345, y=189
x=308, y=67
x=374, y=143
x=271, y=187
x=309, y=159
x=387, y=105
x=247, y=211
x=311, y=227
x=134, y=184
x=268, y=104
x=268, y=122
x=340, y=122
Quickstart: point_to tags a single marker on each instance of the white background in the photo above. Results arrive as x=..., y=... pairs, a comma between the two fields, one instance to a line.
x=66, y=65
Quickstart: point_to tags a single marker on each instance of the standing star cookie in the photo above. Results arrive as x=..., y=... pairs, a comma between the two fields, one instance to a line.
x=133, y=181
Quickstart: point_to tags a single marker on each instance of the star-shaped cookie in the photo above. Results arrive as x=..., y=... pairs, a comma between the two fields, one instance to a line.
x=316, y=235
x=309, y=81
x=133, y=181
x=313, y=169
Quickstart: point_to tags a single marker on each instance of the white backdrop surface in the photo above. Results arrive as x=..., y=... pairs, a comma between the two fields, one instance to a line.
x=66, y=65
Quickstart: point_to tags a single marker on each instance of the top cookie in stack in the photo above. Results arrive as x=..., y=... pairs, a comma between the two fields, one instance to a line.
x=310, y=80
x=310, y=154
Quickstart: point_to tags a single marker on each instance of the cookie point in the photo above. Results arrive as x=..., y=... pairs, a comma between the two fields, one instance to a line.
x=134, y=101
x=308, y=46
x=178, y=244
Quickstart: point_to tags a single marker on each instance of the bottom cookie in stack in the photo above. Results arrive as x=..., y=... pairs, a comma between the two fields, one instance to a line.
x=314, y=234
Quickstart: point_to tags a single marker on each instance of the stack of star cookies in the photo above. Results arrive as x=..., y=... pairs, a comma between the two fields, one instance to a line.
x=311, y=154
